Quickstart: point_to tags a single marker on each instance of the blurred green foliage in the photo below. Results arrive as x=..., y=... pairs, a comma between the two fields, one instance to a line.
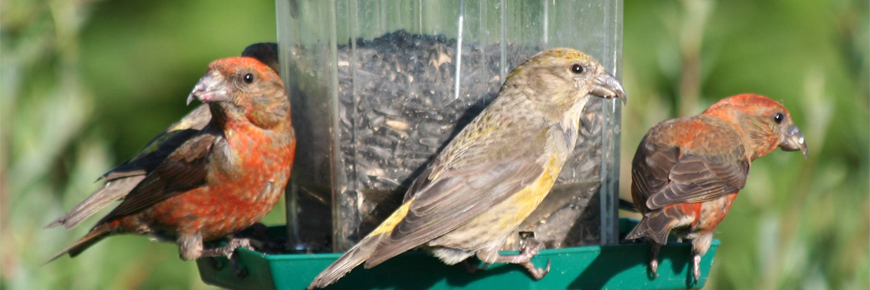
x=86, y=83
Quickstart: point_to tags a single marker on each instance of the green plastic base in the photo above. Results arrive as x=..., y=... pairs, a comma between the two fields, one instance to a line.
x=590, y=267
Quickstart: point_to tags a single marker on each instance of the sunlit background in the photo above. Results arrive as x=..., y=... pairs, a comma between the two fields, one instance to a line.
x=85, y=84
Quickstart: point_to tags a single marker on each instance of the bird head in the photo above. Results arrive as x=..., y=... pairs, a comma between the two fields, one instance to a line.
x=242, y=88
x=765, y=123
x=564, y=76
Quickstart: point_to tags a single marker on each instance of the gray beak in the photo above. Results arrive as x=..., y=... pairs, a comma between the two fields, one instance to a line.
x=210, y=88
x=794, y=140
x=606, y=86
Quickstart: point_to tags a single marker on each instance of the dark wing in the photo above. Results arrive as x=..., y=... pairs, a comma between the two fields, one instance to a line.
x=184, y=169
x=650, y=170
x=667, y=175
x=452, y=194
x=162, y=145
x=122, y=179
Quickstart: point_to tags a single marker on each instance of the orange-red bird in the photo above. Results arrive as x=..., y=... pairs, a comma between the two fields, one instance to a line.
x=120, y=180
x=203, y=184
x=687, y=171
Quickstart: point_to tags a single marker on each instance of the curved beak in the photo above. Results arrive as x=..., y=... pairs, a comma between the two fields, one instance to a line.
x=606, y=86
x=210, y=88
x=794, y=140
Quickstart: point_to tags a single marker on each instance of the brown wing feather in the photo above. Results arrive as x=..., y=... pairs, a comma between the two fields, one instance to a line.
x=469, y=177
x=650, y=170
x=703, y=178
x=162, y=145
x=146, y=161
x=123, y=178
x=447, y=203
x=666, y=174
x=182, y=170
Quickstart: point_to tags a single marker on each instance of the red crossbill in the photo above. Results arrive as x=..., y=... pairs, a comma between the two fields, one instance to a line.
x=196, y=183
x=687, y=171
x=120, y=180
x=494, y=173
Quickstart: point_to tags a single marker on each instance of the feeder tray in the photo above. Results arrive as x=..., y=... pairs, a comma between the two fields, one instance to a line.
x=589, y=267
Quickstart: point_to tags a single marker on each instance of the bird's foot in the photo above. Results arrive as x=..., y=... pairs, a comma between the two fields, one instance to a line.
x=524, y=258
x=696, y=267
x=654, y=259
x=228, y=251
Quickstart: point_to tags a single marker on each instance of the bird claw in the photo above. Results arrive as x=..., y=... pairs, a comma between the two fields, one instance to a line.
x=654, y=259
x=696, y=267
x=537, y=273
x=228, y=251
x=524, y=258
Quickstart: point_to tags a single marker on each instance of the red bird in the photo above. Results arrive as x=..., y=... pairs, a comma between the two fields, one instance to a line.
x=687, y=171
x=209, y=176
x=120, y=180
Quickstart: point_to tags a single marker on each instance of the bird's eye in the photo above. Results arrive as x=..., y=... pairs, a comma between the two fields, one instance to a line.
x=778, y=117
x=249, y=78
x=578, y=69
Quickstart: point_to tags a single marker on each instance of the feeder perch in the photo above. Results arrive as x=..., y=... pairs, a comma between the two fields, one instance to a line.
x=586, y=267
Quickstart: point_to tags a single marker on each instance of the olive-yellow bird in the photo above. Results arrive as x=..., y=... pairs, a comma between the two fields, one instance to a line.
x=495, y=172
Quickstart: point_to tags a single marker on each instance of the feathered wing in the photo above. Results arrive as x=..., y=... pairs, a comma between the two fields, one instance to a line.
x=450, y=202
x=175, y=174
x=699, y=178
x=122, y=179
x=467, y=179
x=184, y=169
x=650, y=169
x=666, y=174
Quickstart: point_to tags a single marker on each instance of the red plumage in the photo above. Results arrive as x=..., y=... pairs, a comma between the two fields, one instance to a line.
x=210, y=176
x=687, y=172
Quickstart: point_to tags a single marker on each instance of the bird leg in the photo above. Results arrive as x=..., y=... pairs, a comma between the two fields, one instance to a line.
x=654, y=258
x=700, y=245
x=228, y=251
x=524, y=258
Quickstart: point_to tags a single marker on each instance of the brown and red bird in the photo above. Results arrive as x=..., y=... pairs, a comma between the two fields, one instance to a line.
x=217, y=171
x=687, y=171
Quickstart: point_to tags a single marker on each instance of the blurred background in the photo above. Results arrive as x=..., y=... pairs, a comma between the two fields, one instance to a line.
x=85, y=84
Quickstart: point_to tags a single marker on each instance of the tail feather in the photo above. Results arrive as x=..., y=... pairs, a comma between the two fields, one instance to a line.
x=362, y=251
x=94, y=236
x=354, y=257
x=110, y=192
x=656, y=226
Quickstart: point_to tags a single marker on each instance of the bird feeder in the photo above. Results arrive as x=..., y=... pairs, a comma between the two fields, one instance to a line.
x=378, y=88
